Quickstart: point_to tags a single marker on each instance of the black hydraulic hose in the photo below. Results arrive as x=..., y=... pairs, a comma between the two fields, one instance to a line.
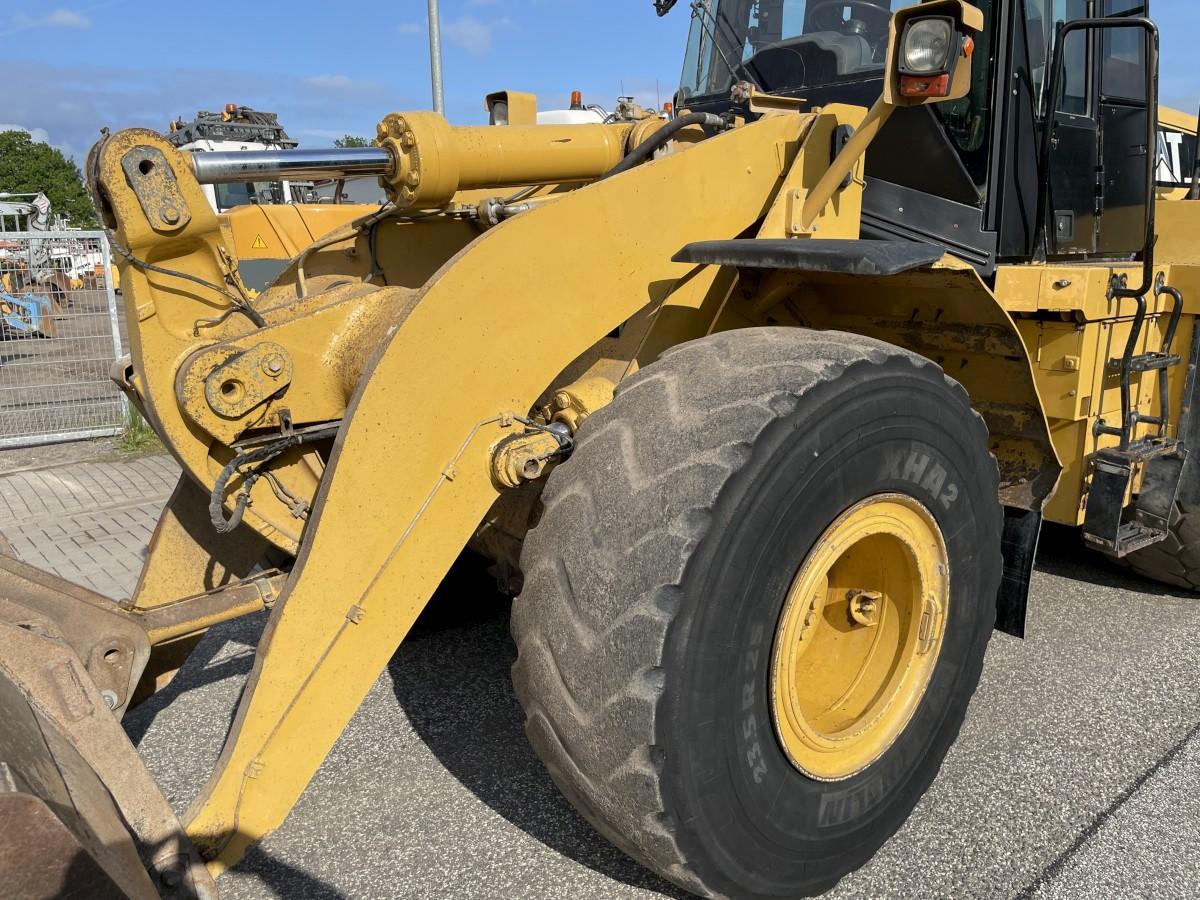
x=264, y=456
x=660, y=138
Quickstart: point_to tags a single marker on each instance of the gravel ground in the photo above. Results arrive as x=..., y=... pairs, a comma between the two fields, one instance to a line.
x=1076, y=774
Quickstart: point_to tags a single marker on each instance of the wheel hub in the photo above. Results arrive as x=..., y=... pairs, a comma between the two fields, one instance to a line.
x=859, y=636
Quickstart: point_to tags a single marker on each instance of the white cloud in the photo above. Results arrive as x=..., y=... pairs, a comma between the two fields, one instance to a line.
x=473, y=35
x=56, y=18
x=39, y=135
x=70, y=102
x=330, y=82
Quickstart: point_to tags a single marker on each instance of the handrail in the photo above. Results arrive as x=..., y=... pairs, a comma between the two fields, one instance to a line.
x=1041, y=233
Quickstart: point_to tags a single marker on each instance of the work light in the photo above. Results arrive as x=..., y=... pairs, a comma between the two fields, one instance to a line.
x=930, y=48
x=927, y=46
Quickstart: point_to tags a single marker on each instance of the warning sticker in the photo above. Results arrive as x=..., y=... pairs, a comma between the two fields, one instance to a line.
x=259, y=243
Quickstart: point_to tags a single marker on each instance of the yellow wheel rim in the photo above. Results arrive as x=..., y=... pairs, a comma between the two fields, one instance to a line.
x=859, y=636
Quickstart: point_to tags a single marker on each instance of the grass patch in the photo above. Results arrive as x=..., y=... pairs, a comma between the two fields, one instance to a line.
x=138, y=437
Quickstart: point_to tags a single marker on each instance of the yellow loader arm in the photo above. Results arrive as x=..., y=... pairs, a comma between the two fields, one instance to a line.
x=399, y=391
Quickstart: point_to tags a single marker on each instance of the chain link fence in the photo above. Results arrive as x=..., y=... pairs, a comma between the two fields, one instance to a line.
x=59, y=335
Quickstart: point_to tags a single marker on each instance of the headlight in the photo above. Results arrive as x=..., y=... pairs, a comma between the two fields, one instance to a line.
x=928, y=46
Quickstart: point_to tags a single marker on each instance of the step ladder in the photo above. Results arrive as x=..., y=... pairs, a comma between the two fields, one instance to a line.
x=1109, y=525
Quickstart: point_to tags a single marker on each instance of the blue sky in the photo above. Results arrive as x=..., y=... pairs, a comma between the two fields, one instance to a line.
x=74, y=66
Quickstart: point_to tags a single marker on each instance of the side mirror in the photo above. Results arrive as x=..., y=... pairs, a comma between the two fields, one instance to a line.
x=662, y=7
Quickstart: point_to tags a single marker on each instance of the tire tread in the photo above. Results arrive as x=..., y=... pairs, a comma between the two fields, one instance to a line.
x=579, y=662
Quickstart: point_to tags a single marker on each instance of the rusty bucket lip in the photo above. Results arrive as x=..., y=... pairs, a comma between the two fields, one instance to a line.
x=113, y=649
x=63, y=745
x=34, y=831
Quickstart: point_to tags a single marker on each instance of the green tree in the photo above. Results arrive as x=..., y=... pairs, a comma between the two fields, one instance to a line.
x=28, y=167
x=352, y=140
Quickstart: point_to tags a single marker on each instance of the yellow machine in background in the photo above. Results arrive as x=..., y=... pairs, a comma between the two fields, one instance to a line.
x=267, y=238
x=758, y=411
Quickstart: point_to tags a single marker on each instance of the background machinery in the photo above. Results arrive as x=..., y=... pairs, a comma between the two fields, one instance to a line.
x=238, y=129
x=758, y=411
x=264, y=244
x=35, y=284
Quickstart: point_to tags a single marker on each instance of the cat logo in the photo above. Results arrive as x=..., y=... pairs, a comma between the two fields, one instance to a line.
x=259, y=243
x=1176, y=155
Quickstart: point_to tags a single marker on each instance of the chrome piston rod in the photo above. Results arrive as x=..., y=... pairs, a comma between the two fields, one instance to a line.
x=297, y=165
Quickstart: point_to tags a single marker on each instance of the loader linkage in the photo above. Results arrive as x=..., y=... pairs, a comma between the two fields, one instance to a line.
x=728, y=402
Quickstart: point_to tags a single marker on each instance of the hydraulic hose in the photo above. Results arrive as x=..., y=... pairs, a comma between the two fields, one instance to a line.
x=263, y=456
x=644, y=151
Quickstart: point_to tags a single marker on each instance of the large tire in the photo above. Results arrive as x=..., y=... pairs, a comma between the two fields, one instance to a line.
x=655, y=580
x=1176, y=560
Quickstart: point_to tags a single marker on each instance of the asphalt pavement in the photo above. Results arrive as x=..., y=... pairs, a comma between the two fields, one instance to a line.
x=1077, y=774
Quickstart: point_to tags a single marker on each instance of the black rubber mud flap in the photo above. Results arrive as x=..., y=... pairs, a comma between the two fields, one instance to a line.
x=1022, y=531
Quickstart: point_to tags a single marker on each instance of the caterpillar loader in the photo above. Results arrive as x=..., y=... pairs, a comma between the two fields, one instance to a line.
x=757, y=411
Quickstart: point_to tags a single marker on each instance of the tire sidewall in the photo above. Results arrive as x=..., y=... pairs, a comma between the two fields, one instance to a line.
x=750, y=822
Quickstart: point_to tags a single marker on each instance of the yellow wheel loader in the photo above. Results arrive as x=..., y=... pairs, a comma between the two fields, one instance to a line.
x=758, y=412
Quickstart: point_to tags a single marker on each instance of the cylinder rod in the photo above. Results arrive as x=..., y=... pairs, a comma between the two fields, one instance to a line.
x=272, y=165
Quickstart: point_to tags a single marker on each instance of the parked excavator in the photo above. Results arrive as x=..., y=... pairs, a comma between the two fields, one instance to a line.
x=35, y=284
x=757, y=411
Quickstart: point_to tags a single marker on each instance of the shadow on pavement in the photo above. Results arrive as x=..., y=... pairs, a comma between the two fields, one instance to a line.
x=199, y=670
x=452, y=679
x=285, y=880
x=1062, y=553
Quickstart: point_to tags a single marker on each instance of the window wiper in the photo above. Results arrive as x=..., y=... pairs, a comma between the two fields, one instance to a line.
x=701, y=11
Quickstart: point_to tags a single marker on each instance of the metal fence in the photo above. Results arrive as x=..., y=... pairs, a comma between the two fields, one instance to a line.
x=59, y=335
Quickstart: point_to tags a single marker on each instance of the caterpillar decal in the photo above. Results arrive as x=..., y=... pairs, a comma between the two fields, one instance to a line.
x=1176, y=149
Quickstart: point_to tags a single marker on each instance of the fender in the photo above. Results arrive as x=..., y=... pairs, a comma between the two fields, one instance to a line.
x=913, y=296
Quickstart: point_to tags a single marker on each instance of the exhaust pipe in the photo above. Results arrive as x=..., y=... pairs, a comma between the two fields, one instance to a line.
x=296, y=165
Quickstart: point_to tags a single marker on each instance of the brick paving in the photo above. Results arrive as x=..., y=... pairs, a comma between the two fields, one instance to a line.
x=86, y=521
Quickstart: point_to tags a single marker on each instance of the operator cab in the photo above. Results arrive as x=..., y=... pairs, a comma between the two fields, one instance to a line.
x=967, y=174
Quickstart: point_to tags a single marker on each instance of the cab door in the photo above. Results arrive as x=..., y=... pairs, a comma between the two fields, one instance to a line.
x=1122, y=199
x=1074, y=124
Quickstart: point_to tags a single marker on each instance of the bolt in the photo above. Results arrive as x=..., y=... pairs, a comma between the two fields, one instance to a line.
x=170, y=215
x=864, y=606
x=414, y=179
x=110, y=699
x=562, y=401
x=273, y=365
x=408, y=140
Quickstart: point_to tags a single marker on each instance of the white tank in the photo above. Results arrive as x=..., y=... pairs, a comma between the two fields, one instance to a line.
x=570, y=117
